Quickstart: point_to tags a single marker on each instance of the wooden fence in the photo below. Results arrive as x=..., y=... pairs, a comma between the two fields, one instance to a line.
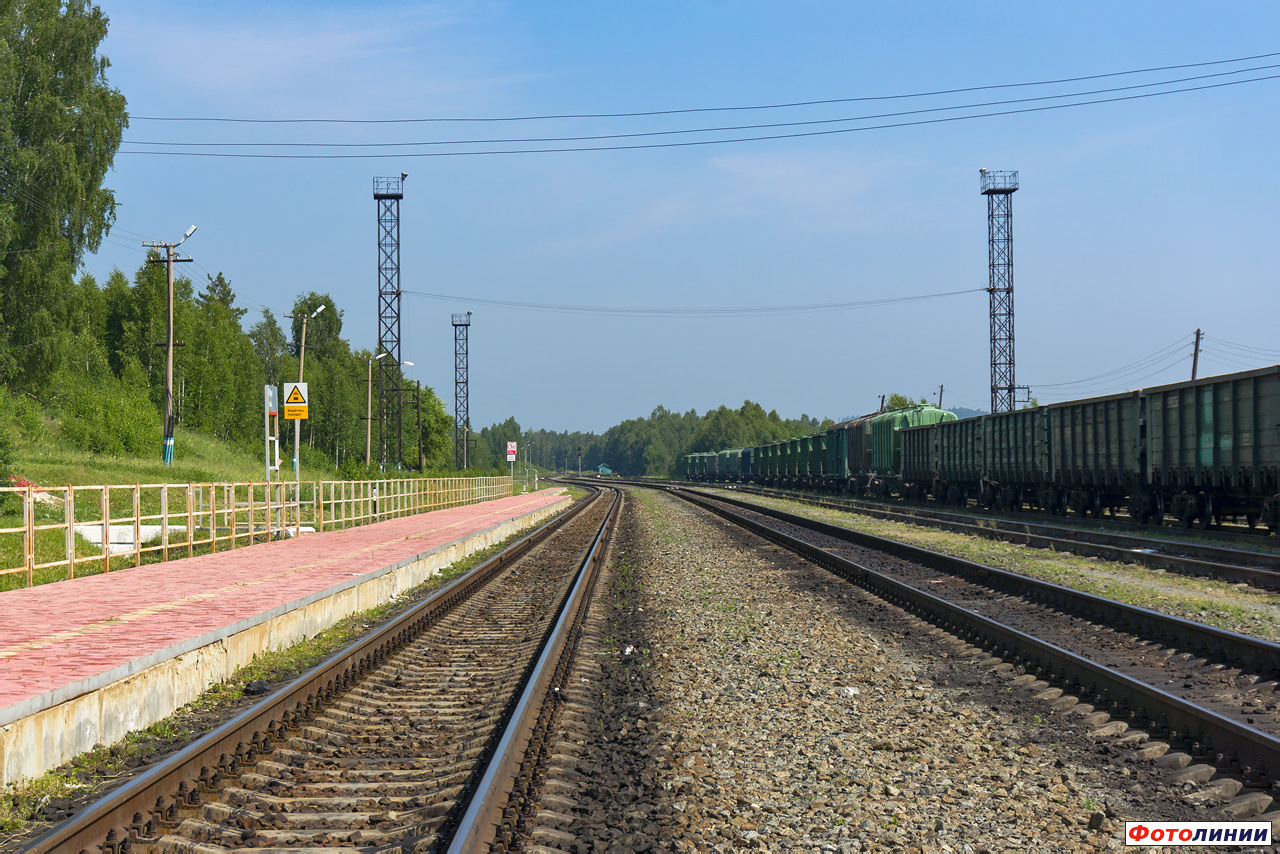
x=47, y=533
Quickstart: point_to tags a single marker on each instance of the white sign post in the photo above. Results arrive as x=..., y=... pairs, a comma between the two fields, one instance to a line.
x=511, y=458
x=271, y=406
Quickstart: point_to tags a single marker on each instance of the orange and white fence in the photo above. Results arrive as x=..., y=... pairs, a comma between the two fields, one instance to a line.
x=48, y=531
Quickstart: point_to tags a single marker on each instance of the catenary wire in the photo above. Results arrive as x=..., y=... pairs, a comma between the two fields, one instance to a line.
x=644, y=311
x=671, y=112
x=685, y=131
x=689, y=143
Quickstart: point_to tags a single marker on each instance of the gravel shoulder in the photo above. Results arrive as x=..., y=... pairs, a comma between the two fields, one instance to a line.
x=741, y=698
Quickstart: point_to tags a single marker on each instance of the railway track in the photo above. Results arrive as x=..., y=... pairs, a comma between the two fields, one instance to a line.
x=413, y=739
x=1235, y=565
x=1232, y=563
x=1227, y=536
x=1206, y=695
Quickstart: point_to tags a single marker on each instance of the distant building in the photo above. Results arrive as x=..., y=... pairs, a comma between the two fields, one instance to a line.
x=604, y=469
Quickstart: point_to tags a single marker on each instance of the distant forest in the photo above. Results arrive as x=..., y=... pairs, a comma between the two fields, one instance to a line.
x=649, y=446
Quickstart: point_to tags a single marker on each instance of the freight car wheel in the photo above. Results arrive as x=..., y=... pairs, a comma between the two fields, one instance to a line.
x=1204, y=504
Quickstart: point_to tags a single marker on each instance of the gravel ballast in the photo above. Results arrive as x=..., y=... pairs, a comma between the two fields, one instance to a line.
x=737, y=697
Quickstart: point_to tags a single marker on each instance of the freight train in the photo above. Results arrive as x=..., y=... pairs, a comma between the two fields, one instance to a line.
x=1196, y=452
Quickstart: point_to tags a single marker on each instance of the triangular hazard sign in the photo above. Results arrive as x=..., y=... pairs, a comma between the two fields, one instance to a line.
x=296, y=398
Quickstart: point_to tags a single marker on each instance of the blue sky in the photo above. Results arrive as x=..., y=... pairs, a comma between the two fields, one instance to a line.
x=1137, y=221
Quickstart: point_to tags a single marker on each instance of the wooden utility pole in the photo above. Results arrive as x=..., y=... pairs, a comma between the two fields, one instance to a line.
x=1195, y=357
x=168, y=260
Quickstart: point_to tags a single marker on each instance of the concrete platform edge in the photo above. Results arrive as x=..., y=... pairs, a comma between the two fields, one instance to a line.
x=46, y=731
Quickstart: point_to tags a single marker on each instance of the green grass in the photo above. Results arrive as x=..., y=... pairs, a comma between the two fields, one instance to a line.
x=196, y=459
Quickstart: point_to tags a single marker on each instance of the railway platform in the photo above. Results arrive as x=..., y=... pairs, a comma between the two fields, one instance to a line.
x=85, y=661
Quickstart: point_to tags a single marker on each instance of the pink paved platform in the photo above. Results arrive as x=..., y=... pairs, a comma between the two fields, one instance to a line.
x=58, y=635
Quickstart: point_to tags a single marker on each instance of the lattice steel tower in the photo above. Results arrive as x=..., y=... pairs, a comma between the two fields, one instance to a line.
x=388, y=192
x=999, y=188
x=461, y=407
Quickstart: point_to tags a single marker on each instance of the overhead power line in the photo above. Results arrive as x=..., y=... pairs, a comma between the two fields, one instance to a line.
x=688, y=143
x=685, y=311
x=684, y=131
x=1134, y=367
x=722, y=109
x=1245, y=349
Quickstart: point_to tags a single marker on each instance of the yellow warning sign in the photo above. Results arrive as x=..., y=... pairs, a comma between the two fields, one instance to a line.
x=295, y=401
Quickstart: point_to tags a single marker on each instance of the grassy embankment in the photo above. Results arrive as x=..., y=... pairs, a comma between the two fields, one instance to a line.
x=197, y=459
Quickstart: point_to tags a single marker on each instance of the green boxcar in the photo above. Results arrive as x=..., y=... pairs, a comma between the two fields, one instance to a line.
x=920, y=454
x=1215, y=433
x=959, y=449
x=848, y=448
x=695, y=467
x=735, y=463
x=1097, y=443
x=792, y=456
x=861, y=448
x=1016, y=447
x=818, y=457
x=804, y=456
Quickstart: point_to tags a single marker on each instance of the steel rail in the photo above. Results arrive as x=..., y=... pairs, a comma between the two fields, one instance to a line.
x=483, y=817
x=1231, y=745
x=141, y=809
x=1249, y=653
x=1225, y=535
x=1259, y=568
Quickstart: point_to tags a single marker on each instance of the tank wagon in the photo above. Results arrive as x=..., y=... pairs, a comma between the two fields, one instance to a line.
x=1195, y=452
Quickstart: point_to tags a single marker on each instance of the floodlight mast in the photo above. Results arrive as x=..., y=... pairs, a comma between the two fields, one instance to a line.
x=388, y=192
x=999, y=187
x=461, y=392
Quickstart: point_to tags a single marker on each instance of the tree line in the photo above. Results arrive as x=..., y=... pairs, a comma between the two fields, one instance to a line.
x=651, y=446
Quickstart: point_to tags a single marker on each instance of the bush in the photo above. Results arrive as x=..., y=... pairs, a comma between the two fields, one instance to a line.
x=106, y=416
